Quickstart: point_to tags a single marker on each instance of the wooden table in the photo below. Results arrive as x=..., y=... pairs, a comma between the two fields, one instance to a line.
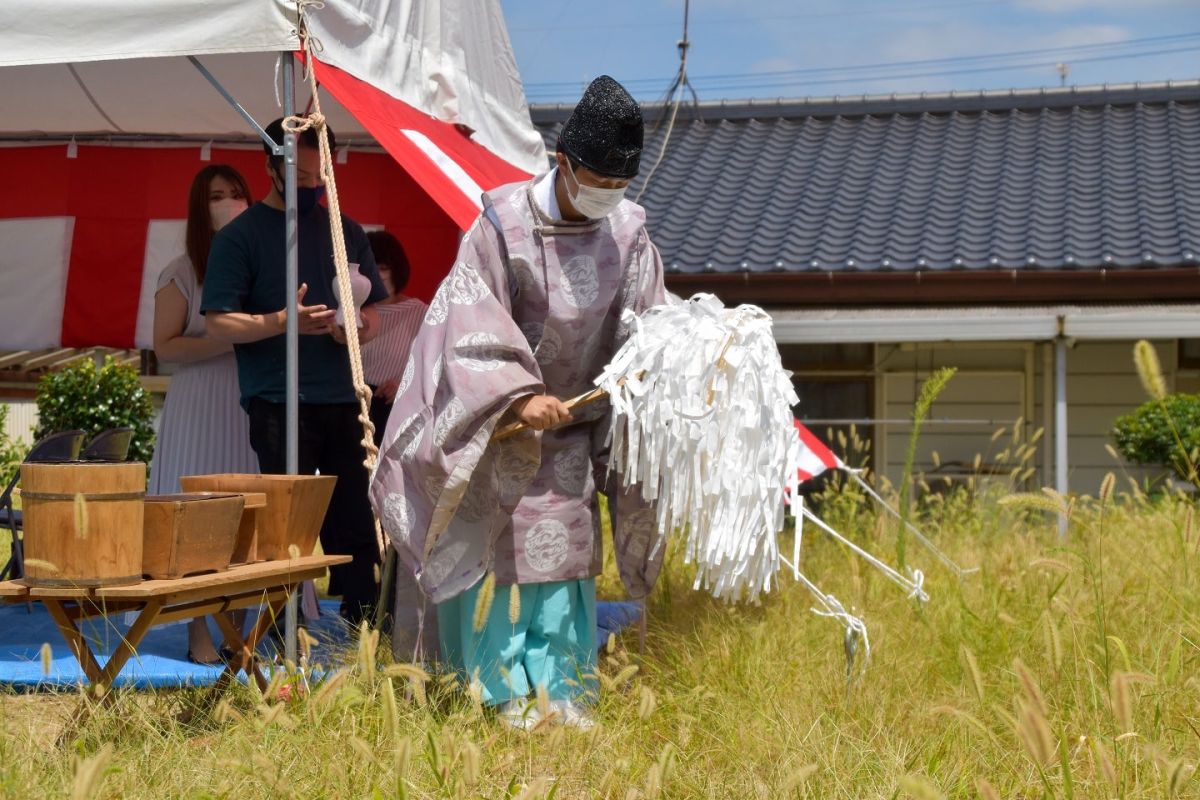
x=267, y=584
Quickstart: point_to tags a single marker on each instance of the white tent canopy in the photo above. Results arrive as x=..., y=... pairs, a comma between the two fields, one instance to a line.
x=117, y=68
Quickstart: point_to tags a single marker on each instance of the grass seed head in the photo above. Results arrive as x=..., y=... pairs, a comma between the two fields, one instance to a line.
x=976, y=676
x=1034, y=733
x=483, y=601
x=537, y=788
x=1120, y=701
x=514, y=604
x=472, y=760
x=1054, y=651
x=1106, y=487
x=652, y=789
x=1178, y=775
x=89, y=773
x=647, y=703
x=363, y=749
x=1032, y=501
x=368, y=645
x=403, y=757
x=1104, y=763
x=1145, y=358
x=391, y=712
x=985, y=790
x=81, y=516
x=798, y=778
x=920, y=788
x=1029, y=687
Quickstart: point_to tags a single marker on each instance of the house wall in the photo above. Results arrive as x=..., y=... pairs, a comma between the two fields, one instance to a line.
x=1103, y=384
x=972, y=419
x=1001, y=387
x=22, y=419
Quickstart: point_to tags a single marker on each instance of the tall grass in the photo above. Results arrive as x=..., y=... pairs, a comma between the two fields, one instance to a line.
x=1062, y=670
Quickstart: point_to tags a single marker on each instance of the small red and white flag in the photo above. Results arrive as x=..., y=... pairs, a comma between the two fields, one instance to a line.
x=815, y=456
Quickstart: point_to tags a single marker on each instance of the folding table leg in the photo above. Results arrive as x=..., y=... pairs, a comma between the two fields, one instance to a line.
x=99, y=679
x=75, y=639
x=246, y=646
x=245, y=656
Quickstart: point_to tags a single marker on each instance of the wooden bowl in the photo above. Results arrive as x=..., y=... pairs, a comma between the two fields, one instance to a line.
x=295, y=509
x=186, y=534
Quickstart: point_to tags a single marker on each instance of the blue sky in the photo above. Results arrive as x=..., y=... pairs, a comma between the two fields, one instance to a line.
x=797, y=48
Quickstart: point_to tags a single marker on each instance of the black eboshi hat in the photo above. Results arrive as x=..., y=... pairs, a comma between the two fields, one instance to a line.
x=604, y=132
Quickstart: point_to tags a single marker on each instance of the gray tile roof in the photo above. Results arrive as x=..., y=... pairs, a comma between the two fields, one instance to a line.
x=1070, y=179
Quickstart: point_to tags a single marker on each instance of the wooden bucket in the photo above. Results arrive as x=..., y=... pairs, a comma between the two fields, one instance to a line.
x=186, y=534
x=295, y=509
x=99, y=544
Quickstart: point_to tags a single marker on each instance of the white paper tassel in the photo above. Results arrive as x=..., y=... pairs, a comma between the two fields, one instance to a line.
x=702, y=420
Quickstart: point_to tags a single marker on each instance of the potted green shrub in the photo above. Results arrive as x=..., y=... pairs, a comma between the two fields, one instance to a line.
x=84, y=396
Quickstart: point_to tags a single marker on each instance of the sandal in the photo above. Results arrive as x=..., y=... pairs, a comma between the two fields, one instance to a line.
x=192, y=658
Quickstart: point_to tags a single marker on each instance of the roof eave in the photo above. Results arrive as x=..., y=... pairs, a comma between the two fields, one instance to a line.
x=775, y=289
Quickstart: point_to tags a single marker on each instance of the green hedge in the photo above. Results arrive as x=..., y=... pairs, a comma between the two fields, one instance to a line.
x=1146, y=436
x=92, y=399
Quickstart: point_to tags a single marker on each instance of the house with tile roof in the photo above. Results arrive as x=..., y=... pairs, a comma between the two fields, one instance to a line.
x=1028, y=238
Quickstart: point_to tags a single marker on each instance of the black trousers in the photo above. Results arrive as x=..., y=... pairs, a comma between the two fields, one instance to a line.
x=378, y=412
x=330, y=441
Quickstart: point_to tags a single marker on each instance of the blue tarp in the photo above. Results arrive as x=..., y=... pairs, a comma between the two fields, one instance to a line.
x=161, y=660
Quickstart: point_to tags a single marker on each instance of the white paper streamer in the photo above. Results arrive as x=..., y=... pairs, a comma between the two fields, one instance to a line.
x=702, y=420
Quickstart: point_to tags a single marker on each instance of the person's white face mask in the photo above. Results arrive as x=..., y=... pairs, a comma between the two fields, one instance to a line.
x=592, y=201
x=222, y=211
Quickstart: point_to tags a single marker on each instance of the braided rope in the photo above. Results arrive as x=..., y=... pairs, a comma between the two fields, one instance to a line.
x=295, y=125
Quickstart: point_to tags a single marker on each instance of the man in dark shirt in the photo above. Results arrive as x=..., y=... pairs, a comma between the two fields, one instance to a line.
x=244, y=303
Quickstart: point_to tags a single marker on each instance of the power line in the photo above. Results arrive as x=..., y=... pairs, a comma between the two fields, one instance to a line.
x=1063, y=53
x=940, y=73
x=880, y=11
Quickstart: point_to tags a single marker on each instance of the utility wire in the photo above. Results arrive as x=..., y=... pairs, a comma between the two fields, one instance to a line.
x=889, y=11
x=940, y=73
x=677, y=87
x=1062, y=53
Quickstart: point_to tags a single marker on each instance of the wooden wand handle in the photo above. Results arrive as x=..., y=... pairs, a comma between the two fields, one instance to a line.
x=513, y=428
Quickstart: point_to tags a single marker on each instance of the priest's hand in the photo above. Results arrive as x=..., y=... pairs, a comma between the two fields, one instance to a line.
x=541, y=411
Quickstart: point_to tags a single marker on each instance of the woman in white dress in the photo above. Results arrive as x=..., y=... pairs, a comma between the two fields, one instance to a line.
x=203, y=429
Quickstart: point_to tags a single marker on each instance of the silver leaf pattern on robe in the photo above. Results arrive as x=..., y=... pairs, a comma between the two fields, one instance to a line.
x=479, y=351
x=398, y=516
x=448, y=423
x=580, y=283
x=546, y=545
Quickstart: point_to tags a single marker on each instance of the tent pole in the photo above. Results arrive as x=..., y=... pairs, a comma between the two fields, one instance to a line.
x=291, y=338
x=267, y=140
x=291, y=222
x=1060, y=426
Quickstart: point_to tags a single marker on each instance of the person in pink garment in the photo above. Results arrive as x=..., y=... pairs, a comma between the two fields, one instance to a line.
x=540, y=297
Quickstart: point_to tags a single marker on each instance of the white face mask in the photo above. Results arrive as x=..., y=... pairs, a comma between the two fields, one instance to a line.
x=222, y=211
x=592, y=201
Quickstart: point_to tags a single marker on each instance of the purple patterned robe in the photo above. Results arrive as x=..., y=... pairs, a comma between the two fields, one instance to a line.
x=532, y=305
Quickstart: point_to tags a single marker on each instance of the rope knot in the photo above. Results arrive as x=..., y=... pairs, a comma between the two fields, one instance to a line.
x=918, y=586
x=298, y=124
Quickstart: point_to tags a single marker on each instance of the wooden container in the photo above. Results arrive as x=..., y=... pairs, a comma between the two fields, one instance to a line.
x=186, y=534
x=95, y=542
x=295, y=509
